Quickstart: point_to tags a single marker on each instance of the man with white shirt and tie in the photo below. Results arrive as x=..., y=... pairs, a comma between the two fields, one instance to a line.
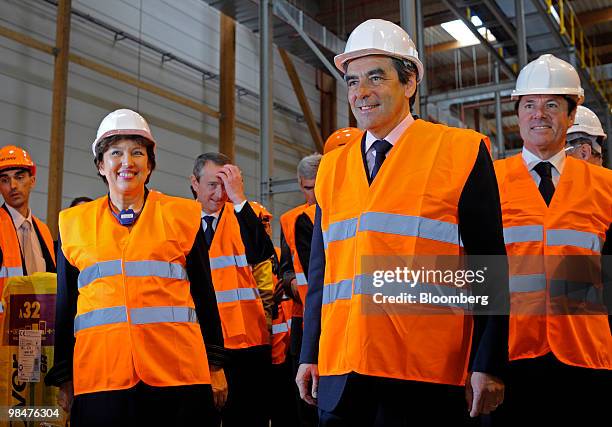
x=557, y=216
x=238, y=242
x=407, y=188
x=26, y=245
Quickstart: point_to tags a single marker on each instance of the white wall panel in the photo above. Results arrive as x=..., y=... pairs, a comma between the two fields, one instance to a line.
x=190, y=30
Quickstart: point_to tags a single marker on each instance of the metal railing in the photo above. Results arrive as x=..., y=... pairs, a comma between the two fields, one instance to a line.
x=570, y=27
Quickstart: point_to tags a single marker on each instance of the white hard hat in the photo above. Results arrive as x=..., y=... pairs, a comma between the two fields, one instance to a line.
x=380, y=37
x=122, y=122
x=548, y=75
x=587, y=122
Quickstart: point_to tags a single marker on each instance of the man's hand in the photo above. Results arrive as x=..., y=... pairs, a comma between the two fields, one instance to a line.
x=483, y=392
x=232, y=181
x=307, y=380
x=219, y=386
x=66, y=396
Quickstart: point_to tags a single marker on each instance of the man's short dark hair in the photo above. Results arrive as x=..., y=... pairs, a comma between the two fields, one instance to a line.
x=571, y=104
x=107, y=142
x=218, y=159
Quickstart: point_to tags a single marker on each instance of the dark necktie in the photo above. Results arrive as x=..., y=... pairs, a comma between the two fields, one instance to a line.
x=381, y=147
x=546, y=187
x=209, y=233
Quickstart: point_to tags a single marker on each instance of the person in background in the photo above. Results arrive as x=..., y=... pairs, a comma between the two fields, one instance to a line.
x=586, y=137
x=26, y=245
x=79, y=201
x=239, y=248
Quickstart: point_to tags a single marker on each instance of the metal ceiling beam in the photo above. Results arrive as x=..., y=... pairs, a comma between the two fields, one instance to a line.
x=462, y=94
x=501, y=19
x=485, y=43
x=284, y=10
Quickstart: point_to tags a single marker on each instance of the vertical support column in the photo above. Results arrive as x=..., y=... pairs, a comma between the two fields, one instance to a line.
x=499, y=125
x=266, y=124
x=477, y=119
x=227, y=90
x=408, y=22
x=58, y=114
x=328, y=103
x=421, y=48
x=519, y=12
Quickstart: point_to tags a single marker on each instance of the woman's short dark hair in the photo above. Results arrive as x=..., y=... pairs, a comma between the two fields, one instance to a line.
x=106, y=143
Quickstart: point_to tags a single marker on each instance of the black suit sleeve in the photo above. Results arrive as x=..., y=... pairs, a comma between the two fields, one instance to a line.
x=286, y=270
x=65, y=311
x=257, y=243
x=203, y=294
x=314, y=297
x=481, y=230
x=303, y=238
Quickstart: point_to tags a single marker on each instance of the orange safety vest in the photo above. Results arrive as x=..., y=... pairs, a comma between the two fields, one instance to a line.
x=287, y=221
x=411, y=208
x=545, y=274
x=135, y=318
x=240, y=306
x=11, y=250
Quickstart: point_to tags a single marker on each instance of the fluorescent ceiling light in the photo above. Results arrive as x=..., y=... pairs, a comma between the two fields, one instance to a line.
x=462, y=33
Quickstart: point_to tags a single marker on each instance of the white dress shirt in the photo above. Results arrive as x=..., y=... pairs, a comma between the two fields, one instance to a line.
x=557, y=161
x=237, y=209
x=37, y=257
x=391, y=138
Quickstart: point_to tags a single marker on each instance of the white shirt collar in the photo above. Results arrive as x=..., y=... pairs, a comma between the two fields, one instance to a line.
x=216, y=214
x=393, y=136
x=531, y=160
x=19, y=219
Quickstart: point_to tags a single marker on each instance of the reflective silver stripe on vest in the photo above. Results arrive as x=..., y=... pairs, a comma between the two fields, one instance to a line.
x=10, y=272
x=279, y=328
x=238, y=294
x=147, y=268
x=528, y=283
x=103, y=316
x=364, y=285
x=580, y=239
x=335, y=291
x=145, y=315
x=578, y=291
x=289, y=323
x=99, y=270
x=405, y=225
x=301, y=279
x=340, y=230
x=166, y=270
x=228, y=261
x=523, y=233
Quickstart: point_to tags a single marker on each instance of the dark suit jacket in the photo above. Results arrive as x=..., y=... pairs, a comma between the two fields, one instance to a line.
x=480, y=226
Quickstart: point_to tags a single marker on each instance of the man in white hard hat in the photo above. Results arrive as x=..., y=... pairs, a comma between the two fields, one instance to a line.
x=585, y=138
x=365, y=361
x=557, y=216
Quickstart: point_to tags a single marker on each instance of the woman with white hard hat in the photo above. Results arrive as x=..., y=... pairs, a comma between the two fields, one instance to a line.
x=585, y=138
x=138, y=335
